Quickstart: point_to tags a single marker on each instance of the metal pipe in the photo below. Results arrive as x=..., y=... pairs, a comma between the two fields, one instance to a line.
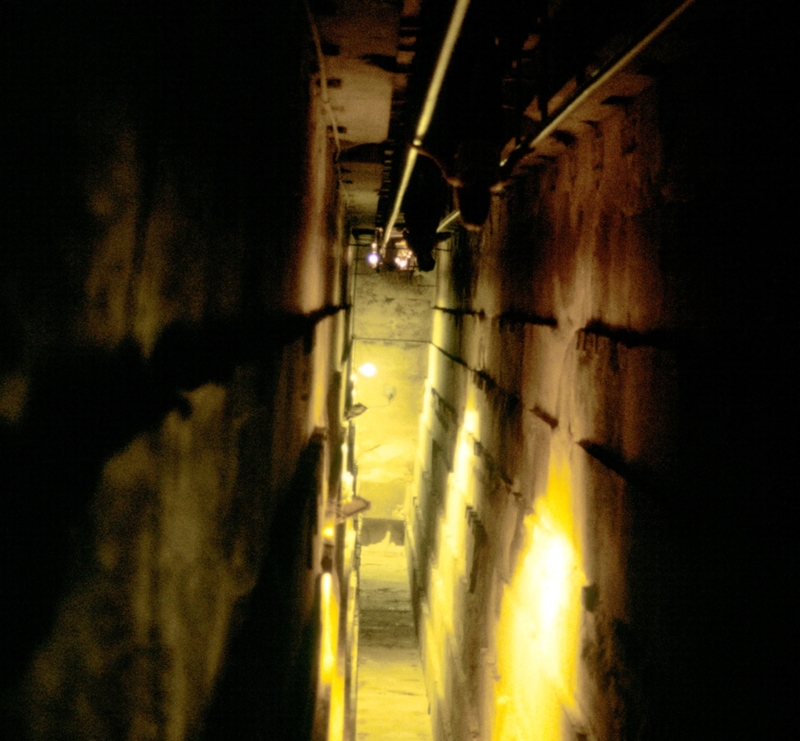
x=442, y=63
x=449, y=221
x=612, y=69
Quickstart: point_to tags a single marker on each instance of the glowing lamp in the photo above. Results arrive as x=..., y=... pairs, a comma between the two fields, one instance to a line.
x=403, y=258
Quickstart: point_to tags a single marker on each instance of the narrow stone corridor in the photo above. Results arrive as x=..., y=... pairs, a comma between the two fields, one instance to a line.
x=391, y=329
x=387, y=370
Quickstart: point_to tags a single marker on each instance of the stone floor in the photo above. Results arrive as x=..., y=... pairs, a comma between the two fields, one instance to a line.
x=392, y=704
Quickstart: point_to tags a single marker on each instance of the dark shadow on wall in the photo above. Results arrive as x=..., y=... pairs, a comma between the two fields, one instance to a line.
x=722, y=575
x=84, y=406
x=218, y=141
x=192, y=90
x=268, y=685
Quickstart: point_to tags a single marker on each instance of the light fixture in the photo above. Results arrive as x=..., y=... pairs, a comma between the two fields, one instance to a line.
x=368, y=370
x=403, y=256
x=374, y=256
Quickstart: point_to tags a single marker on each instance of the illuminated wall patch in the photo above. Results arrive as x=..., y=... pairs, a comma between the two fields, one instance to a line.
x=537, y=637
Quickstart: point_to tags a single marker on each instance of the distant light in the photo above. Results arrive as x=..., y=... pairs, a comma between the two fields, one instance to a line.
x=368, y=370
x=330, y=620
x=373, y=258
x=404, y=255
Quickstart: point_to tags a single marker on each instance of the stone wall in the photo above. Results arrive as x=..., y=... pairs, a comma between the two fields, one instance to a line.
x=172, y=275
x=587, y=556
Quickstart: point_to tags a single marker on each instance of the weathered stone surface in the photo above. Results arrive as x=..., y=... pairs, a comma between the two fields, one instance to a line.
x=587, y=352
x=154, y=452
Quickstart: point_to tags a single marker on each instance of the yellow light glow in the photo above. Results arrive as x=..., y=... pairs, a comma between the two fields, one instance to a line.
x=328, y=531
x=336, y=713
x=347, y=480
x=471, y=422
x=321, y=361
x=368, y=370
x=330, y=629
x=448, y=583
x=331, y=689
x=538, y=631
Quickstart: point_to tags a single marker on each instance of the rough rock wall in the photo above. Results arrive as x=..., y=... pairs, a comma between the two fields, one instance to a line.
x=167, y=353
x=588, y=558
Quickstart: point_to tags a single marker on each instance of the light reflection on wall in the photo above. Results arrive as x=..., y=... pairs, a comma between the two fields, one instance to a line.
x=447, y=585
x=331, y=678
x=330, y=628
x=531, y=660
x=538, y=630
